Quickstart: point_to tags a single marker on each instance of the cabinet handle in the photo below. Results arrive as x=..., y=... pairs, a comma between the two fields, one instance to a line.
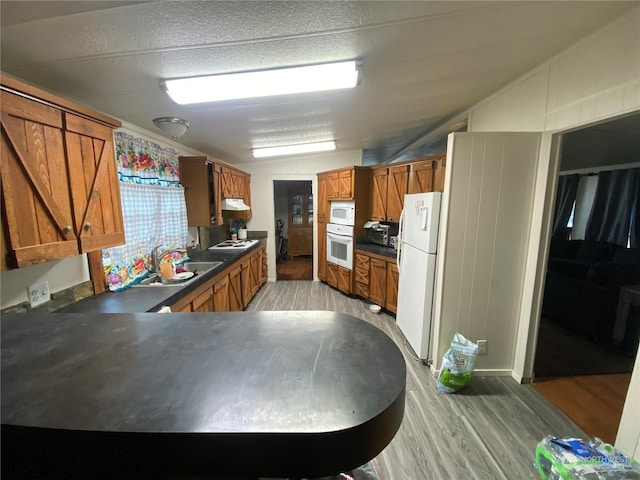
x=66, y=229
x=87, y=226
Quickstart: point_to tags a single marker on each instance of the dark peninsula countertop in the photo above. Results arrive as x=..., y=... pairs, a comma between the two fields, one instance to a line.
x=151, y=299
x=277, y=394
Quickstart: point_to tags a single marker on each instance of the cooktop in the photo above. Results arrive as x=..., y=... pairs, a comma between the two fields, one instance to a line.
x=234, y=244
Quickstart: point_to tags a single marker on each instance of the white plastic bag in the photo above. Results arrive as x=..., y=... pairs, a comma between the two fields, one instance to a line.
x=457, y=365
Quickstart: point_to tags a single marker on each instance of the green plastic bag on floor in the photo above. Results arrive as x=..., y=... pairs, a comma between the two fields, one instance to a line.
x=457, y=365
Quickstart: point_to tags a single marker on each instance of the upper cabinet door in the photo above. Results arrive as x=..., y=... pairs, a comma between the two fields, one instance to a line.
x=39, y=219
x=322, y=198
x=93, y=179
x=379, y=194
x=397, y=188
x=421, y=177
x=333, y=186
x=345, y=184
x=226, y=183
x=60, y=188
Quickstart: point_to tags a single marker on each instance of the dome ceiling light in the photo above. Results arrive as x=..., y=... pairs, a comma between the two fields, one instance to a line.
x=173, y=126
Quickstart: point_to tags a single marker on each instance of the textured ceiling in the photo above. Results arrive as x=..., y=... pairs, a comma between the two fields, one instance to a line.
x=422, y=62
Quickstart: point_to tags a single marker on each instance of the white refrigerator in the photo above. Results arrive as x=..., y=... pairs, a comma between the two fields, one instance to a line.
x=416, y=258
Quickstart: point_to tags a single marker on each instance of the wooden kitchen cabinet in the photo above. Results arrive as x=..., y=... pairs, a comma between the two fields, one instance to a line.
x=345, y=278
x=322, y=202
x=251, y=275
x=397, y=187
x=235, y=289
x=206, y=184
x=199, y=178
x=323, y=206
x=232, y=183
x=236, y=184
x=341, y=184
x=332, y=274
x=339, y=277
x=391, y=301
x=361, y=274
x=264, y=275
x=230, y=290
x=221, y=295
x=204, y=302
x=379, y=187
x=439, y=172
x=300, y=241
x=421, y=177
x=378, y=281
x=300, y=230
x=60, y=190
x=388, y=187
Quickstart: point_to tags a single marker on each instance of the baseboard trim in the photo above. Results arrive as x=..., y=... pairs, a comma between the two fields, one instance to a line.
x=486, y=372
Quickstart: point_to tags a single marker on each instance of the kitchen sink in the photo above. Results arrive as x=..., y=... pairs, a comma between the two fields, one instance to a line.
x=198, y=268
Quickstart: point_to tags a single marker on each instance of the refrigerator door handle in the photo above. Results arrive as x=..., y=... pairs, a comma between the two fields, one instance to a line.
x=399, y=241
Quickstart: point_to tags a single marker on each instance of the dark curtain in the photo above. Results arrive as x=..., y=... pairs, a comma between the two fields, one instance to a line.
x=615, y=202
x=565, y=197
x=635, y=217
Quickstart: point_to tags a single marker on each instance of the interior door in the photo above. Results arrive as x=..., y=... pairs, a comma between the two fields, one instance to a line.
x=488, y=229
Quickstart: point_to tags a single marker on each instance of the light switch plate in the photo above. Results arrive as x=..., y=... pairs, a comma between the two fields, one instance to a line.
x=38, y=294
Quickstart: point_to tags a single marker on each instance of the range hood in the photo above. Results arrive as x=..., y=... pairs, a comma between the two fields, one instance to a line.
x=234, y=204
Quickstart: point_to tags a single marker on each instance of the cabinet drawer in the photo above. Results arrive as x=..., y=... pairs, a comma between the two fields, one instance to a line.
x=362, y=290
x=362, y=275
x=362, y=261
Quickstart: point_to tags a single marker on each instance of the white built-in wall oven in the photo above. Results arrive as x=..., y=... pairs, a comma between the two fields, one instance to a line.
x=340, y=245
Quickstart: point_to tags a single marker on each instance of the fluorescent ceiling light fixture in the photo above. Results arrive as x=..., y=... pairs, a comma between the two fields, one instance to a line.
x=263, y=83
x=293, y=149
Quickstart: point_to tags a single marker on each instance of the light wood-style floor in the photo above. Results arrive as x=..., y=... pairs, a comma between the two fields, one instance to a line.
x=599, y=416
x=489, y=430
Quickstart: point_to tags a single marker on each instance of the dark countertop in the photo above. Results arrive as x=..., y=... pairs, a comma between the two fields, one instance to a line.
x=151, y=299
x=277, y=394
x=375, y=248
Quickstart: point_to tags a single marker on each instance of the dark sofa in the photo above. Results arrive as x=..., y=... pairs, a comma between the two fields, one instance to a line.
x=583, y=285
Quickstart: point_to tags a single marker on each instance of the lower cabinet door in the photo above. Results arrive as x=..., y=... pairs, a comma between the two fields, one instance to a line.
x=392, y=287
x=203, y=302
x=235, y=290
x=344, y=280
x=332, y=274
x=221, y=295
x=378, y=281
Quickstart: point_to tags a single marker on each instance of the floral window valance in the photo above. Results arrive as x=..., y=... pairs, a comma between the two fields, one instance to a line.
x=141, y=161
x=153, y=209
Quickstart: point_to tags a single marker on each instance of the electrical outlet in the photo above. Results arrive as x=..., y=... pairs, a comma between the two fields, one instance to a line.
x=482, y=347
x=38, y=294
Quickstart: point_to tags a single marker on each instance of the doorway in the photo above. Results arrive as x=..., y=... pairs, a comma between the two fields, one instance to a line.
x=578, y=366
x=294, y=216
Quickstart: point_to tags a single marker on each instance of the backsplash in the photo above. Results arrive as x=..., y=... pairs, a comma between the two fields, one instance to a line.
x=58, y=300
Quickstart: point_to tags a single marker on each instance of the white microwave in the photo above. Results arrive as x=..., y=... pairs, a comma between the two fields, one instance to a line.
x=342, y=212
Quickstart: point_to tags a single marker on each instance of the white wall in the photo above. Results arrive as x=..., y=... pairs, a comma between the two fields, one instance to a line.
x=66, y=273
x=485, y=224
x=628, y=440
x=263, y=173
x=596, y=79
